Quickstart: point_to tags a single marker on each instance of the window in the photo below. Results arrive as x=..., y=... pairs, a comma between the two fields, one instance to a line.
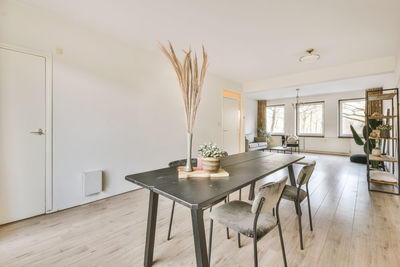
x=351, y=112
x=276, y=119
x=310, y=119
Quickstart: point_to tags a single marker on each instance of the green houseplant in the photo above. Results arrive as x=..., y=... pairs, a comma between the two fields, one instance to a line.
x=262, y=135
x=211, y=156
x=367, y=130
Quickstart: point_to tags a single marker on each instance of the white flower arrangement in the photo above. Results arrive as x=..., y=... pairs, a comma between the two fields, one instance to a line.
x=211, y=151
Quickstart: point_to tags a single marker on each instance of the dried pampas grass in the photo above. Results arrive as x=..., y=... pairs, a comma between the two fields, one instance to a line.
x=190, y=81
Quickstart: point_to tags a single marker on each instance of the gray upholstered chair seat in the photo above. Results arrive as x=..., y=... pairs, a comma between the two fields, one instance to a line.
x=237, y=215
x=290, y=193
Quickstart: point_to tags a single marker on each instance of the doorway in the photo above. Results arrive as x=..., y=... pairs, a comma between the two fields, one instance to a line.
x=25, y=134
x=232, y=122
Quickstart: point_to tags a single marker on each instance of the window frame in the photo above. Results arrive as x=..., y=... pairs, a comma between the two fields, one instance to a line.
x=322, y=135
x=266, y=117
x=340, y=117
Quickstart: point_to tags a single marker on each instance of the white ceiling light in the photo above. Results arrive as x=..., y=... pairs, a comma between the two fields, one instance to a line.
x=311, y=57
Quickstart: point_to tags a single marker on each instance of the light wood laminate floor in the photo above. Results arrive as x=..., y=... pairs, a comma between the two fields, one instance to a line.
x=352, y=227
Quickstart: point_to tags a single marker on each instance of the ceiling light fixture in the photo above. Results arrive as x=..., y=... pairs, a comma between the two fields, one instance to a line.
x=311, y=57
x=294, y=105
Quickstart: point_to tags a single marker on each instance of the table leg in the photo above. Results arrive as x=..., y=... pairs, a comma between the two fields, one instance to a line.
x=291, y=175
x=199, y=238
x=251, y=191
x=151, y=229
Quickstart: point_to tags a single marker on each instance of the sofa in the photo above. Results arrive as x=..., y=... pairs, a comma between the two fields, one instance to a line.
x=255, y=143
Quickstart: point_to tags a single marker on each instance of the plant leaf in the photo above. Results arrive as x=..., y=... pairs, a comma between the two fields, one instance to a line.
x=356, y=137
x=365, y=148
x=373, y=123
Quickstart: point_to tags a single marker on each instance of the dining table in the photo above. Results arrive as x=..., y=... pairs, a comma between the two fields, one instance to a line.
x=199, y=193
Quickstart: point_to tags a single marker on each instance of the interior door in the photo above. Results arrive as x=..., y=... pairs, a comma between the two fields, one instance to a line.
x=231, y=124
x=22, y=135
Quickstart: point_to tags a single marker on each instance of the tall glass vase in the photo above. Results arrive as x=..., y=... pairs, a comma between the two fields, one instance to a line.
x=188, y=167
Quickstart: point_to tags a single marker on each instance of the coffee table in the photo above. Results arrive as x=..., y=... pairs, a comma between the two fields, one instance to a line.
x=281, y=148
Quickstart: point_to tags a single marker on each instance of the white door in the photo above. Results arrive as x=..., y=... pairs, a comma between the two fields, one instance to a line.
x=231, y=122
x=22, y=145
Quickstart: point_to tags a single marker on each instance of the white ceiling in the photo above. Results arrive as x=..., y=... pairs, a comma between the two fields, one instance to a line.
x=345, y=85
x=247, y=40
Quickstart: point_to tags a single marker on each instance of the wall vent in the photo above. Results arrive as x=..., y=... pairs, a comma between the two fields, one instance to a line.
x=92, y=182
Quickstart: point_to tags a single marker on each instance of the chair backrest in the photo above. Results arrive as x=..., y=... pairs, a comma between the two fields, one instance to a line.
x=181, y=162
x=305, y=173
x=292, y=139
x=271, y=192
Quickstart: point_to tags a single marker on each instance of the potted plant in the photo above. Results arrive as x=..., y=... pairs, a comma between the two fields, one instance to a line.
x=262, y=135
x=367, y=130
x=210, y=157
x=384, y=130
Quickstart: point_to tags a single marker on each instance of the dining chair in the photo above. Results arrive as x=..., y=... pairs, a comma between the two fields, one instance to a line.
x=252, y=220
x=182, y=162
x=296, y=194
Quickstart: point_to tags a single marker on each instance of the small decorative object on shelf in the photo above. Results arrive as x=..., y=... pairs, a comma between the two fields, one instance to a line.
x=377, y=115
x=382, y=143
x=374, y=134
x=211, y=156
x=376, y=152
x=384, y=130
x=191, y=83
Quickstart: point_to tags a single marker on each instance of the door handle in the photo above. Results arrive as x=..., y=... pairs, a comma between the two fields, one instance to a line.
x=39, y=132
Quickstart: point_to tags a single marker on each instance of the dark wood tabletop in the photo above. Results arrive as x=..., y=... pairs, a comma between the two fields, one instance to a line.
x=244, y=168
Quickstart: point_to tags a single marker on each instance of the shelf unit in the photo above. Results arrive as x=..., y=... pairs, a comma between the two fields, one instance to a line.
x=384, y=176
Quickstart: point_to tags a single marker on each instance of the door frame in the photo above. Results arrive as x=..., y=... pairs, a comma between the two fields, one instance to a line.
x=48, y=120
x=236, y=96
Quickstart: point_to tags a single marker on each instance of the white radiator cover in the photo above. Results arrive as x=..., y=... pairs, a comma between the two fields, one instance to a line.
x=326, y=144
x=92, y=182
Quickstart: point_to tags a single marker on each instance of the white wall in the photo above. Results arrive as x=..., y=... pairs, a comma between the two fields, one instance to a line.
x=397, y=72
x=116, y=107
x=250, y=116
x=331, y=142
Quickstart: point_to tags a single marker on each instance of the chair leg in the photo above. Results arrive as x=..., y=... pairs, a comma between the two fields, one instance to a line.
x=309, y=212
x=239, y=240
x=210, y=242
x=255, y=251
x=295, y=206
x=300, y=229
x=170, y=221
x=282, y=244
x=273, y=212
x=227, y=229
x=240, y=194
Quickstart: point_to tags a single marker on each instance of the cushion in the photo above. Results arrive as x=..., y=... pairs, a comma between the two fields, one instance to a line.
x=290, y=193
x=253, y=145
x=237, y=215
x=250, y=137
x=260, y=139
x=359, y=158
x=262, y=144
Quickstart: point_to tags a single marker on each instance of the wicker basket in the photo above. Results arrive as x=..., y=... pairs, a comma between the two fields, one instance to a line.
x=211, y=164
